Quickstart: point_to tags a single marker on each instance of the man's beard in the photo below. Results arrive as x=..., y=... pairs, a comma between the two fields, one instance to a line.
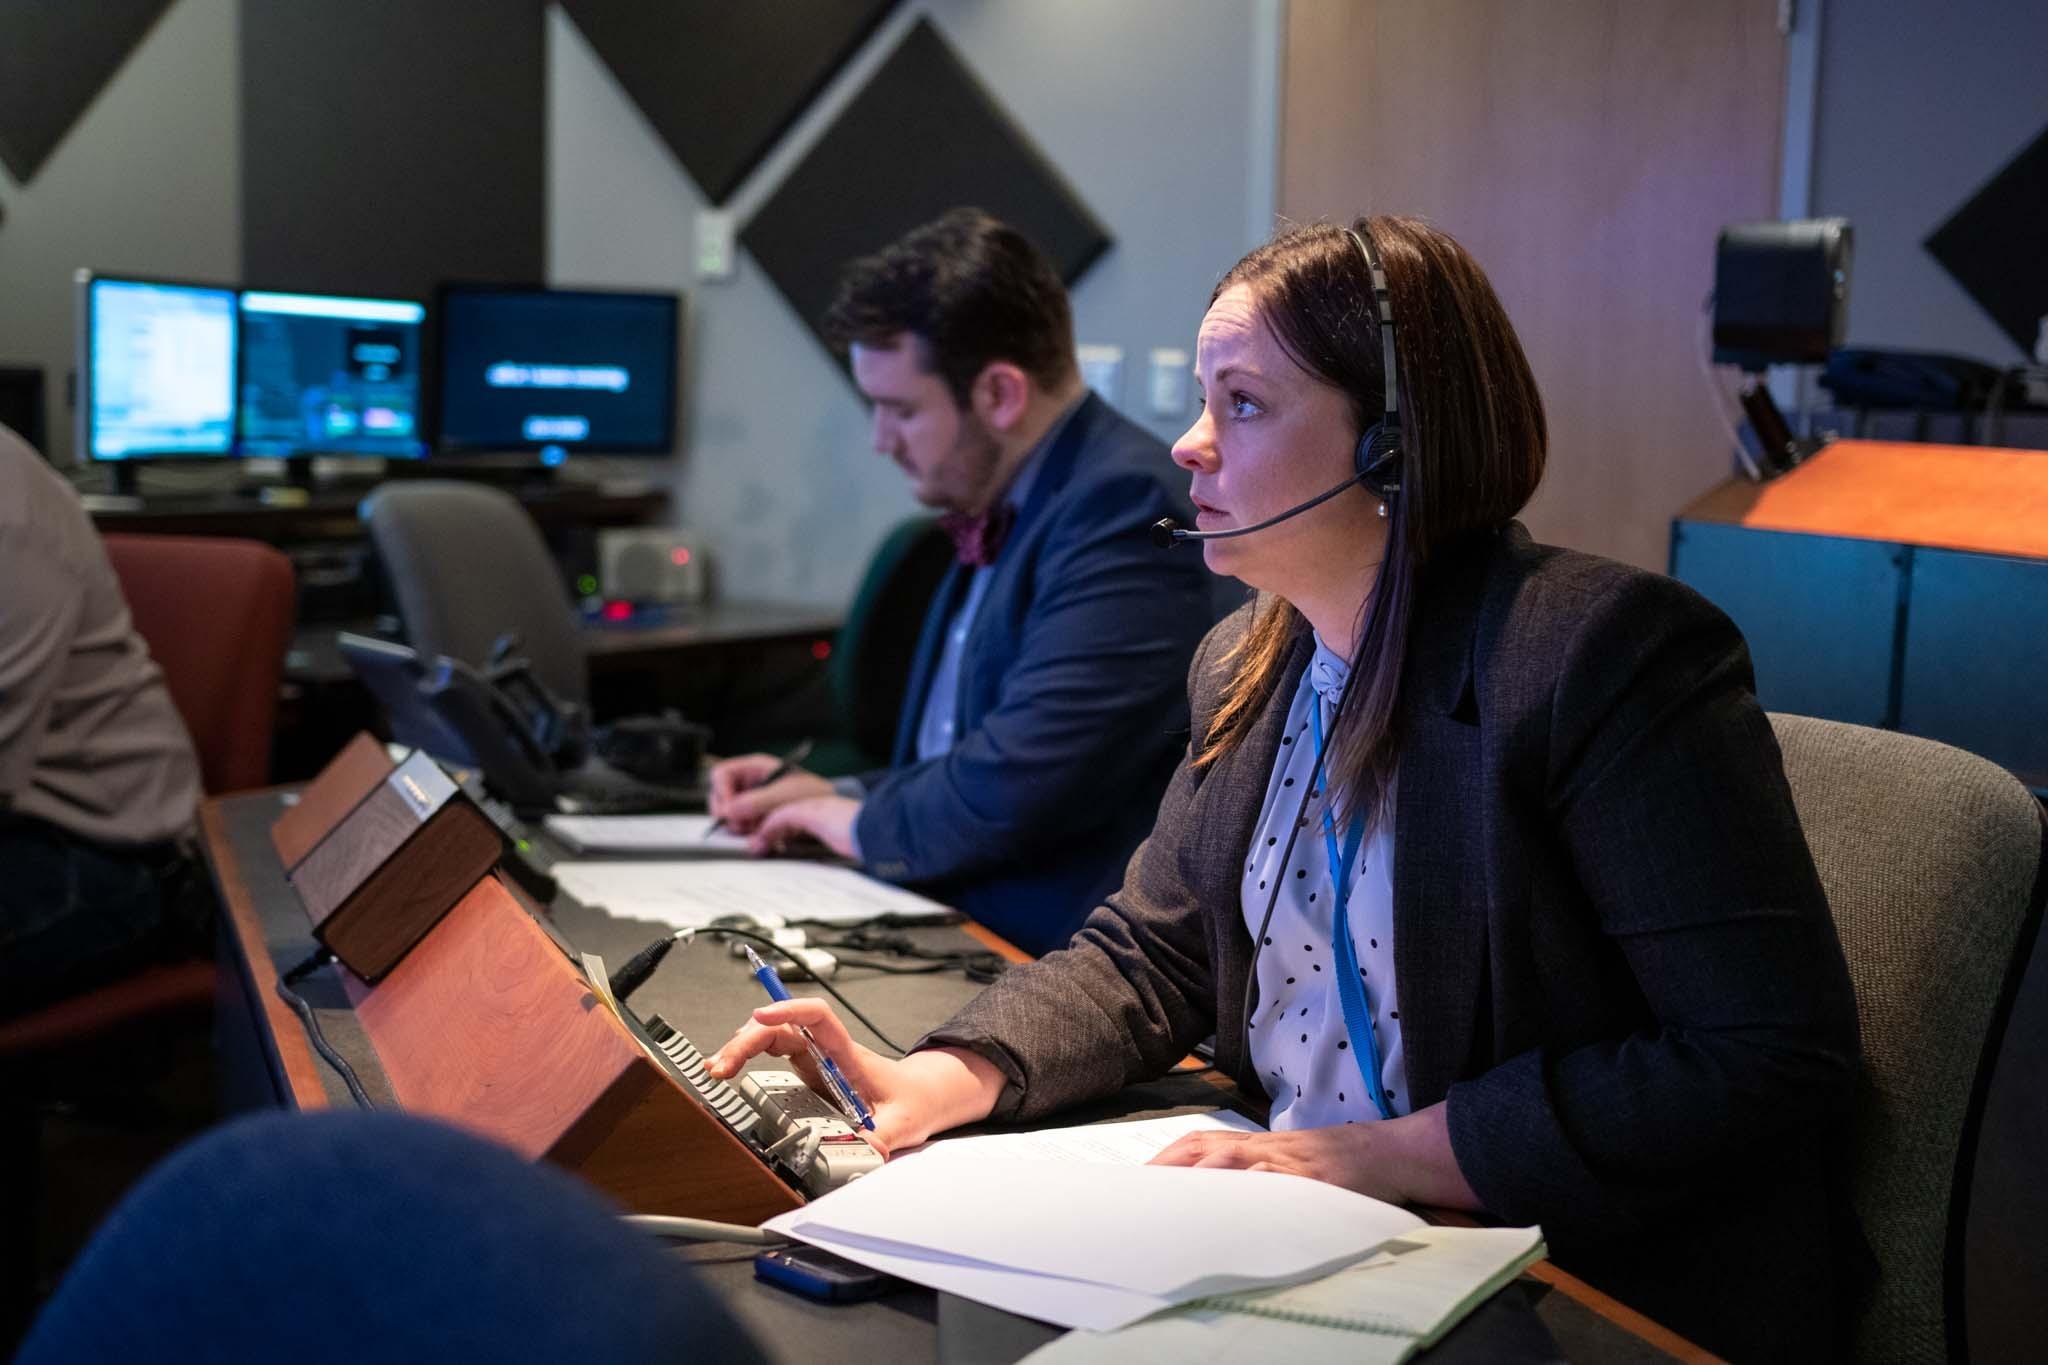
x=976, y=456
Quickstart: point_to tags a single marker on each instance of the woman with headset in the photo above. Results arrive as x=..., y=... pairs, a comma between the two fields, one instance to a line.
x=1481, y=863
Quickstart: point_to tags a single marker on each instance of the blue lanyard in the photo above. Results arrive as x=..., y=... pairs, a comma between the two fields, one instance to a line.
x=1365, y=1047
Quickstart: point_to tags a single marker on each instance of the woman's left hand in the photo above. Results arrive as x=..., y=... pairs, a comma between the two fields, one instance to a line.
x=1406, y=1160
x=1342, y=1155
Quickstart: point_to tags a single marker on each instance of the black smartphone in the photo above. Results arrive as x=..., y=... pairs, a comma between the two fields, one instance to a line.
x=820, y=1275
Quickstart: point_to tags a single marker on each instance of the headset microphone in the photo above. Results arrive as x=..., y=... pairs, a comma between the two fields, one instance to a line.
x=1166, y=532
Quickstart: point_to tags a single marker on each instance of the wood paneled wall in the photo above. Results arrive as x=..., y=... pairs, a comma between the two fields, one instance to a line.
x=1586, y=152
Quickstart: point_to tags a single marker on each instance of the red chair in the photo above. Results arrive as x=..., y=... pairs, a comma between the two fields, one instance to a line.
x=217, y=616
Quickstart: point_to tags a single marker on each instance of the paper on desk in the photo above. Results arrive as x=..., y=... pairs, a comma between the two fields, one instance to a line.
x=1379, y=1311
x=1165, y=1233
x=1069, y=1303
x=690, y=893
x=643, y=834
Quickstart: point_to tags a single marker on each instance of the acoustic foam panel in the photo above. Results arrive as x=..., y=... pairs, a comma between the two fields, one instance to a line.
x=55, y=58
x=721, y=81
x=1992, y=245
x=921, y=137
x=391, y=144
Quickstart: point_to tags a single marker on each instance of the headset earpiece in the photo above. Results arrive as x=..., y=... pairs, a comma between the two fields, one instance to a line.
x=1378, y=461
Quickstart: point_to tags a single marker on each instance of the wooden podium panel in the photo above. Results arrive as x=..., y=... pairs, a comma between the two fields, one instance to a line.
x=1977, y=498
x=341, y=785
x=486, y=1024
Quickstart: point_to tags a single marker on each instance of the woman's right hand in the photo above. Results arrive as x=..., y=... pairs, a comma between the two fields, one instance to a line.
x=739, y=797
x=911, y=1098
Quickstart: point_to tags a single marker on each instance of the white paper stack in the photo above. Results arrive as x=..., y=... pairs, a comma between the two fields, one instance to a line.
x=1090, y=1243
x=689, y=894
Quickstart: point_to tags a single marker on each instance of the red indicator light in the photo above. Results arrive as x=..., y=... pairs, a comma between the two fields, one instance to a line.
x=821, y=649
x=681, y=555
x=618, y=611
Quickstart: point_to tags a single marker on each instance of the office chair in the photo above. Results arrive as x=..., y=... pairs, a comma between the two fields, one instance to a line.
x=873, y=652
x=1935, y=863
x=467, y=565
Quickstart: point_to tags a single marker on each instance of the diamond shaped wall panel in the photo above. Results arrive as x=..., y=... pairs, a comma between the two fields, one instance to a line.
x=922, y=137
x=1993, y=244
x=55, y=58
x=721, y=80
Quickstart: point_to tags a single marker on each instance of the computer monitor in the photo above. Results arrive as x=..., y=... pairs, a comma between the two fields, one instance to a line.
x=330, y=375
x=557, y=369
x=156, y=369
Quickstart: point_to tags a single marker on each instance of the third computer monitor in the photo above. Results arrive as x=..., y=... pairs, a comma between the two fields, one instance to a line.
x=575, y=370
x=330, y=375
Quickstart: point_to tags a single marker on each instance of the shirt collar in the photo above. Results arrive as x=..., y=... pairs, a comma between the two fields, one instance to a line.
x=1027, y=472
x=1327, y=671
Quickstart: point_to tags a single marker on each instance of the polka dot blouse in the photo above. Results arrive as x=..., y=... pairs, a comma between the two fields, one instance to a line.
x=1298, y=1042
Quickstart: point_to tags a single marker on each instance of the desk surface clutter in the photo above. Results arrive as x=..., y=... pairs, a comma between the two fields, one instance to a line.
x=1223, y=1309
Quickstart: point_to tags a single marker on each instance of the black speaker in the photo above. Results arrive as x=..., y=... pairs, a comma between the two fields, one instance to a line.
x=1781, y=292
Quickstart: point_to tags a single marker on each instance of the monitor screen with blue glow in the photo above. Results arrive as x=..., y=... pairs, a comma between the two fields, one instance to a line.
x=159, y=369
x=330, y=375
x=554, y=369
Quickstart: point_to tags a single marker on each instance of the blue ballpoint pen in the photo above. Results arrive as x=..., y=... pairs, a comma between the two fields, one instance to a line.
x=849, y=1098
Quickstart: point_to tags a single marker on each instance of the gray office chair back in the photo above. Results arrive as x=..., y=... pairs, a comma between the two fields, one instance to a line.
x=1933, y=863
x=466, y=564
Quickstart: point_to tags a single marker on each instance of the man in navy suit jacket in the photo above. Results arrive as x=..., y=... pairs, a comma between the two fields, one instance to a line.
x=1045, y=709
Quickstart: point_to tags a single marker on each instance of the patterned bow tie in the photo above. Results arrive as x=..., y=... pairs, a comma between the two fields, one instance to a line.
x=978, y=540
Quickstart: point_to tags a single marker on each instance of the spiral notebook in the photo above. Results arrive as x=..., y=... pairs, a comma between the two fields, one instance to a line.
x=1399, y=1301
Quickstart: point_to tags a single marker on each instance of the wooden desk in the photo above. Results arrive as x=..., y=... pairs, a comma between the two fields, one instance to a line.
x=330, y=514
x=1547, y=1315
x=1892, y=585
x=753, y=671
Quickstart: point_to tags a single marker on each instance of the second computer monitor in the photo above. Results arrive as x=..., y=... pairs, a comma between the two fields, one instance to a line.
x=329, y=375
x=578, y=370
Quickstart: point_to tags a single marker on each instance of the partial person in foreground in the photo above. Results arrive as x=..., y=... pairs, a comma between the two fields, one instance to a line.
x=99, y=784
x=345, y=1236
x=1480, y=863
x=1044, y=710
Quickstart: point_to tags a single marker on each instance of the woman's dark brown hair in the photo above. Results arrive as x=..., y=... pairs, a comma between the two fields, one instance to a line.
x=1473, y=446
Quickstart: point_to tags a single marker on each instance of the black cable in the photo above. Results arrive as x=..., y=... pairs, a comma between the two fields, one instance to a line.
x=827, y=986
x=314, y=1032
x=1318, y=780
x=978, y=964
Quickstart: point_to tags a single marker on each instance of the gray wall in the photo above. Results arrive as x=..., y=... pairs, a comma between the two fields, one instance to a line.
x=1159, y=112
x=147, y=182
x=1919, y=102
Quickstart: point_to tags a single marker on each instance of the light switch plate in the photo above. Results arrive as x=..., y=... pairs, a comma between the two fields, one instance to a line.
x=1168, y=385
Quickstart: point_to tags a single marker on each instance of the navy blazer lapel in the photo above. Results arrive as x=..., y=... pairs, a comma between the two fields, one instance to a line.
x=930, y=642
x=1440, y=912
x=1052, y=475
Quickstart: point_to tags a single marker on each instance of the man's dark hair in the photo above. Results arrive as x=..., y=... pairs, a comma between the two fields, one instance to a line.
x=972, y=289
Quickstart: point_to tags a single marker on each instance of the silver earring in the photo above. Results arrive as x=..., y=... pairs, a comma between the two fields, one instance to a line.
x=1383, y=511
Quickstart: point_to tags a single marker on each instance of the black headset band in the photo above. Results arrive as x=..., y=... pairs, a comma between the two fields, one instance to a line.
x=1384, y=303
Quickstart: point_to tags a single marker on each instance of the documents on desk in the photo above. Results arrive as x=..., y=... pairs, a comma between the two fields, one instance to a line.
x=688, y=835
x=690, y=893
x=1070, y=1228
